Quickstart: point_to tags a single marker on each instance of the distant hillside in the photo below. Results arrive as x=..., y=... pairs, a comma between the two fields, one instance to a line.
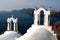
x=30, y=11
x=56, y=14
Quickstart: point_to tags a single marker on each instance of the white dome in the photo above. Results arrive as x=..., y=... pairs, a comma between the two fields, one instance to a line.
x=9, y=35
x=37, y=33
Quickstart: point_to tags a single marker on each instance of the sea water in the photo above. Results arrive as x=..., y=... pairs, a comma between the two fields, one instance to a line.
x=24, y=21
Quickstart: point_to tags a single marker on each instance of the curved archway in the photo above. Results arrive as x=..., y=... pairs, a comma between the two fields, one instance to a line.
x=41, y=9
x=41, y=18
x=12, y=24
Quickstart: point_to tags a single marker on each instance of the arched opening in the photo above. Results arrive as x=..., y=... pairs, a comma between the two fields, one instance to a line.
x=12, y=25
x=41, y=18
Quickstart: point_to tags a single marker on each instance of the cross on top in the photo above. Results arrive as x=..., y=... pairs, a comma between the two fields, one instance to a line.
x=12, y=16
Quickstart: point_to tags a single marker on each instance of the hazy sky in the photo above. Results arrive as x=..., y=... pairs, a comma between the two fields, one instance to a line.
x=18, y=4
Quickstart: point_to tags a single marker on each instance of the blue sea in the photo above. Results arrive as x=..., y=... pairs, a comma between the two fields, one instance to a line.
x=24, y=21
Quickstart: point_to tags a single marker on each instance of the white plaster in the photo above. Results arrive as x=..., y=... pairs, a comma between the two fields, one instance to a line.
x=38, y=32
x=8, y=26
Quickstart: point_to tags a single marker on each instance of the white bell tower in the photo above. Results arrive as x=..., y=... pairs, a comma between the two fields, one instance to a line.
x=36, y=17
x=9, y=27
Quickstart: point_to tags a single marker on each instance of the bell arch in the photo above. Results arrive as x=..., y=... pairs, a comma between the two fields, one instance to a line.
x=12, y=24
x=37, y=15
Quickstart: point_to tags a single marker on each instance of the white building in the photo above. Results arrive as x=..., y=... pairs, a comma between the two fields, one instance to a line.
x=37, y=31
x=11, y=34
